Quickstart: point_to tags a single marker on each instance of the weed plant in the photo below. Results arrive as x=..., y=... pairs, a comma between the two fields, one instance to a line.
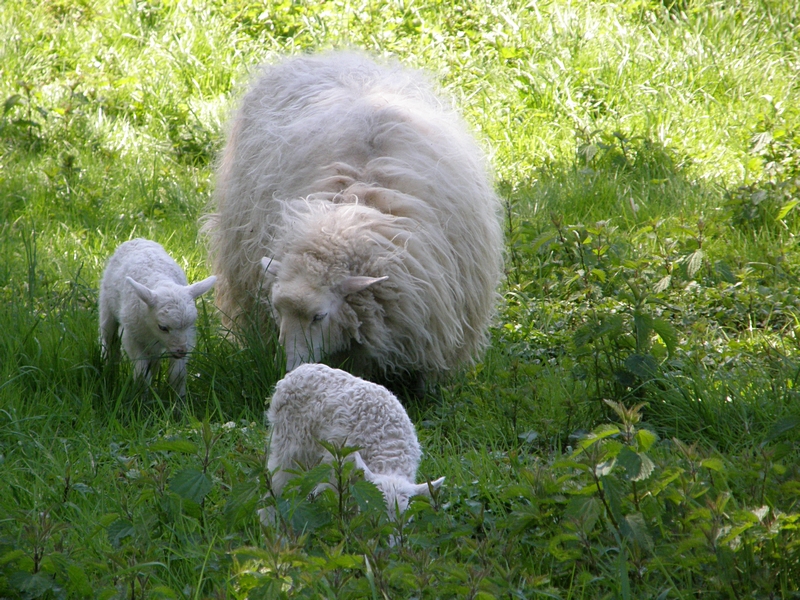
x=631, y=431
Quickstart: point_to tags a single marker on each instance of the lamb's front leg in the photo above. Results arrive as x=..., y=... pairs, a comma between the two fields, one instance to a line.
x=144, y=361
x=144, y=367
x=177, y=375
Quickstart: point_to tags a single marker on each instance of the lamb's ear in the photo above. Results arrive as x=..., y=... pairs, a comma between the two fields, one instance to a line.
x=360, y=464
x=423, y=489
x=147, y=296
x=271, y=265
x=356, y=283
x=201, y=287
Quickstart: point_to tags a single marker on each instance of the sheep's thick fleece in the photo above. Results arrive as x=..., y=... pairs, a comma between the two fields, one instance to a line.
x=373, y=209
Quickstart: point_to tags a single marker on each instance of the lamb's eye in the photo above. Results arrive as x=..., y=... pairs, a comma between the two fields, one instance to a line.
x=164, y=328
x=318, y=317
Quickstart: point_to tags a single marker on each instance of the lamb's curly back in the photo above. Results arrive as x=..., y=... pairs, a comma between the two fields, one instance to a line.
x=367, y=170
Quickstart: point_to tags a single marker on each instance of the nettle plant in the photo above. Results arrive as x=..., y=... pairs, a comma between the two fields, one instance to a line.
x=633, y=510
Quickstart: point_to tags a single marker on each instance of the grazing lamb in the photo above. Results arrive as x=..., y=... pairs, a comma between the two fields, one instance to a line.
x=372, y=204
x=144, y=294
x=315, y=402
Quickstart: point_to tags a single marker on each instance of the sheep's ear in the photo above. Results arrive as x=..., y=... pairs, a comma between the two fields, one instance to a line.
x=360, y=464
x=147, y=296
x=356, y=283
x=423, y=489
x=201, y=287
x=271, y=265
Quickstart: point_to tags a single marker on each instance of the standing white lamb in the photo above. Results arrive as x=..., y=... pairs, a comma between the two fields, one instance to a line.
x=315, y=402
x=373, y=206
x=144, y=294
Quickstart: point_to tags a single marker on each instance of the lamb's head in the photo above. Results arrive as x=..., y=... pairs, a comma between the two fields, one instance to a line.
x=397, y=490
x=311, y=311
x=171, y=313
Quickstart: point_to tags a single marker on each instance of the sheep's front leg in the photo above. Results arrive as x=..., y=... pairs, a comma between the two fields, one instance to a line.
x=177, y=375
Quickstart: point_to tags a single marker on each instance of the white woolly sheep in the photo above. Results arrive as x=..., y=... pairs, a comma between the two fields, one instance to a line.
x=144, y=294
x=373, y=207
x=315, y=402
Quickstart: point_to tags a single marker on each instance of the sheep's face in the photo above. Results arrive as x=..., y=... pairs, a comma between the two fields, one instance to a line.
x=313, y=317
x=397, y=491
x=308, y=321
x=172, y=314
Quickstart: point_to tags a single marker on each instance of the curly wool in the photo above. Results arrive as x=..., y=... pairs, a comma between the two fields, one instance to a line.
x=315, y=402
x=337, y=167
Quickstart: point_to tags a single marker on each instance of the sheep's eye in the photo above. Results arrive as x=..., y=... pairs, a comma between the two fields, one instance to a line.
x=318, y=317
x=164, y=328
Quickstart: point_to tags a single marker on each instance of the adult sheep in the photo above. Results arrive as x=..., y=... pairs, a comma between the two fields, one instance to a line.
x=371, y=205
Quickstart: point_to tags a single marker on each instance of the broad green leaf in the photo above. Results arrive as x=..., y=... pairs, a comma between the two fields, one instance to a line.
x=725, y=272
x=307, y=481
x=368, y=497
x=747, y=516
x=634, y=527
x=11, y=556
x=645, y=439
x=600, y=274
x=571, y=464
x=118, y=531
x=786, y=208
x=667, y=333
x=638, y=466
x=643, y=326
x=543, y=239
x=33, y=586
x=304, y=515
x=584, y=511
x=736, y=532
x=715, y=464
x=613, y=495
x=694, y=261
x=565, y=547
x=241, y=503
x=345, y=561
x=599, y=433
x=644, y=366
x=586, y=490
x=631, y=462
x=78, y=581
x=761, y=512
x=662, y=284
x=778, y=469
x=647, y=468
x=191, y=484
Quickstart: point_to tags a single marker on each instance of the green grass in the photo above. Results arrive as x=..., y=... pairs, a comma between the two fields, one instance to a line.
x=631, y=431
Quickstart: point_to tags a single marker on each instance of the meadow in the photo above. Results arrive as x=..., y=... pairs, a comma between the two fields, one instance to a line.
x=632, y=431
